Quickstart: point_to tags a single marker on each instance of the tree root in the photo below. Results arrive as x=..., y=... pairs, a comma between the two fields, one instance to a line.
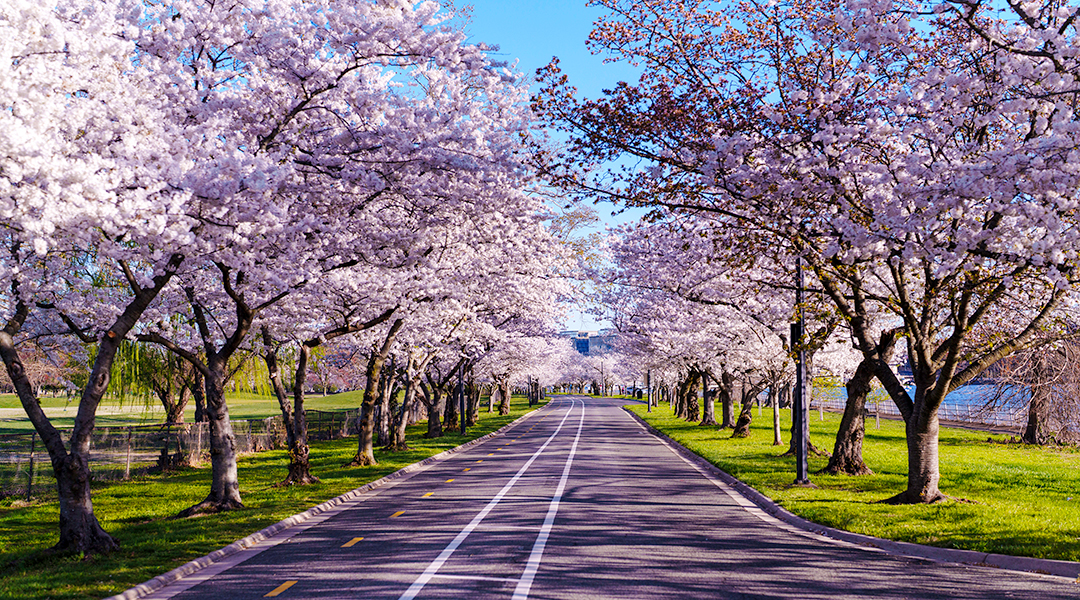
x=361, y=460
x=291, y=480
x=209, y=507
x=843, y=466
x=905, y=497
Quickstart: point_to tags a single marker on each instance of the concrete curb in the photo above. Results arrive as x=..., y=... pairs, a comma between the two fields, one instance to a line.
x=1039, y=566
x=185, y=570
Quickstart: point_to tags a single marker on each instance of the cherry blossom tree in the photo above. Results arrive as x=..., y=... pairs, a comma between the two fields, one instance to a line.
x=93, y=231
x=917, y=161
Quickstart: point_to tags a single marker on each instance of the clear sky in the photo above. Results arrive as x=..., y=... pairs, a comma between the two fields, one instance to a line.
x=533, y=31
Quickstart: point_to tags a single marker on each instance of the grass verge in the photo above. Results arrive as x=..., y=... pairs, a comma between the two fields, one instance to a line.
x=138, y=513
x=1024, y=500
x=115, y=413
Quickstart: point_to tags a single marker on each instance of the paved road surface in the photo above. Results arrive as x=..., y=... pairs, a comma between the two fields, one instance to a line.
x=576, y=502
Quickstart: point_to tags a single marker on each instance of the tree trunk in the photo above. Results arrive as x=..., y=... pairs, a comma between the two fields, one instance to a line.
x=709, y=415
x=1039, y=406
x=504, y=397
x=365, y=452
x=294, y=419
x=472, y=403
x=451, y=414
x=382, y=408
x=746, y=415
x=174, y=409
x=923, y=472
x=80, y=530
x=198, y=391
x=224, y=480
x=847, y=457
x=693, y=408
x=679, y=407
x=433, y=407
x=400, y=418
x=727, y=402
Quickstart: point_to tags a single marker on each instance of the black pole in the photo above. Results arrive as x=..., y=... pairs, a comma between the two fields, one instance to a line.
x=800, y=409
x=461, y=397
x=648, y=390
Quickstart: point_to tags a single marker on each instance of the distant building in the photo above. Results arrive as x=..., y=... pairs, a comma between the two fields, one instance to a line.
x=590, y=343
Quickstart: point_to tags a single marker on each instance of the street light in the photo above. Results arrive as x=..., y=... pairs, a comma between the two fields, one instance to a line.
x=461, y=396
x=800, y=413
x=648, y=390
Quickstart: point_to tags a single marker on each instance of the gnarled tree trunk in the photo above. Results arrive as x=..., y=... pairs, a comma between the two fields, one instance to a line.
x=365, y=453
x=400, y=419
x=504, y=397
x=451, y=414
x=693, y=408
x=80, y=530
x=847, y=457
x=224, y=480
x=472, y=402
x=726, y=391
x=198, y=391
x=294, y=420
x=382, y=408
x=708, y=416
x=433, y=408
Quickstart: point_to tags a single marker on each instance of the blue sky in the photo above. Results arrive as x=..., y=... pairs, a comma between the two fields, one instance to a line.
x=533, y=31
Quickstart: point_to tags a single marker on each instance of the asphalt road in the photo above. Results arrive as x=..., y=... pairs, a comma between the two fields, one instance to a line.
x=575, y=502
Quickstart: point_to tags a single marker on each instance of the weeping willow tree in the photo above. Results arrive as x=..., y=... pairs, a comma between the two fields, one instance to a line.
x=147, y=373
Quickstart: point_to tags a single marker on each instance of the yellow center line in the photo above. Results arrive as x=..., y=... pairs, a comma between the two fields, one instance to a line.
x=466, y=468
x=481, y=460
x=428, y=494
x=397, y=514
x=449, y=481
x=498, y=448
x=491, y=454
x=281, y=588
x=351, y=543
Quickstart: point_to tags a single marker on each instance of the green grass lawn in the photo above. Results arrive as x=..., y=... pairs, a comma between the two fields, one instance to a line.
x=113, y=413
x=138, y=513
x=1021, y=500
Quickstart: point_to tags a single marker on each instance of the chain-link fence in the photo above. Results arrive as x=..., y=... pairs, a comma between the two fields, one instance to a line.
x=969, y=413
x=122, y=452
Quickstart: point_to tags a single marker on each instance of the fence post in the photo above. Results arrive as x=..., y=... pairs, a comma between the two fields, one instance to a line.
x=168, y=434
x=127, y=460
x=30, y=474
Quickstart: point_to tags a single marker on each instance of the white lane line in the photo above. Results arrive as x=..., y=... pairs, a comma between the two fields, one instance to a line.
x=474, y=578
x=521, y=592
x=436, y=564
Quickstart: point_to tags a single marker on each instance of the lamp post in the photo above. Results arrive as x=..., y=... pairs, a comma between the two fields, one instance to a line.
x=461, y=397
x=799, y=409
x=648, y=390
